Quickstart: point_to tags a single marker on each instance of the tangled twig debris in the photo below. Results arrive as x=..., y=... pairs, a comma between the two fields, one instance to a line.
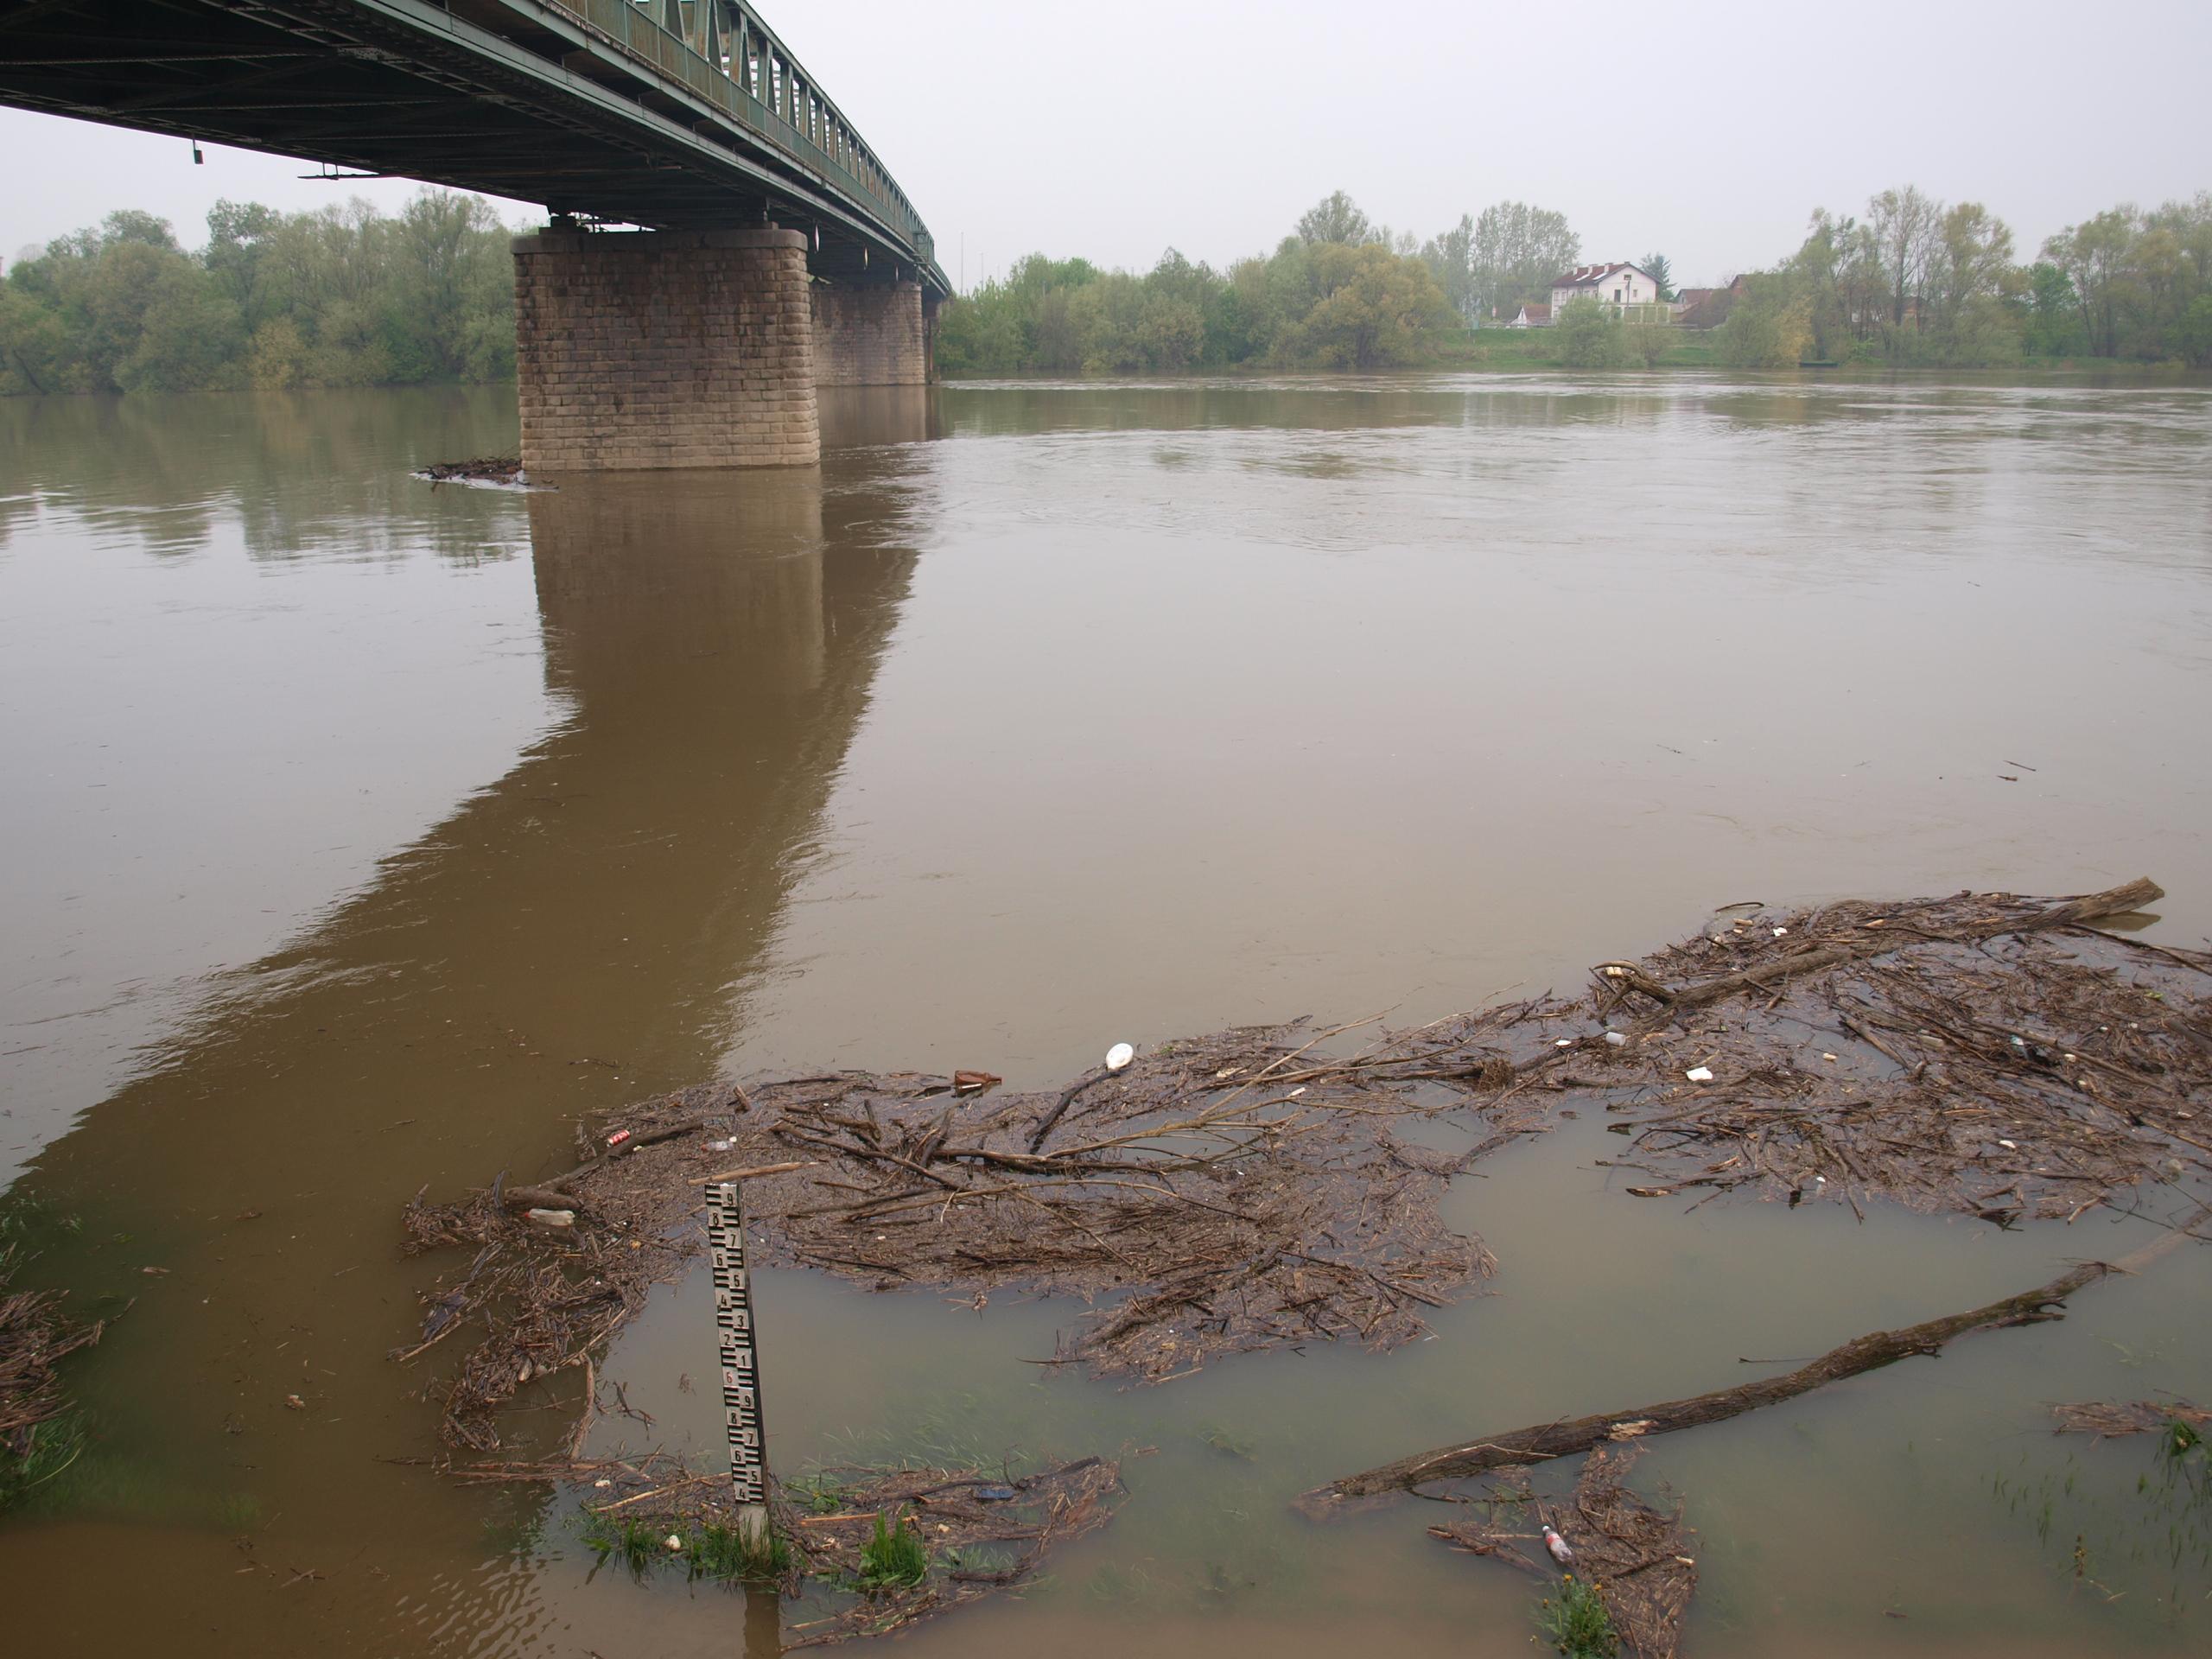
x=1642, y=1563
x=36, y=1336
x=2110, y=1419
x=1982, y=1053
x=974, y=1531
x=1256, y=1188
x=1225, y=1193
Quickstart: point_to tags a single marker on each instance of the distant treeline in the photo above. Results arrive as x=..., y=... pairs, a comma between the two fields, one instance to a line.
x=1336, y=293
x=1915, y=283
x=347, y=297
x=343, y=296
x=1918, y=283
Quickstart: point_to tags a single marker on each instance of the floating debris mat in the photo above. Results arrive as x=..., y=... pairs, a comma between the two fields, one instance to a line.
x=1258, y=1188
x=1981, y=1053
x=2176, y=1419
x=871, y=1550
x=969, y=1534
x=1639, y=1561
x=1237, y=1192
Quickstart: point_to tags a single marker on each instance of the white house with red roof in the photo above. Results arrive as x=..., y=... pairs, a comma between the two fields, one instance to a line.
x=1618, y=288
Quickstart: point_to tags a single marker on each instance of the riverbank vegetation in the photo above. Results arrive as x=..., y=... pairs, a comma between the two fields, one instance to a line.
x=1915, y=283
x=1918, y=283
x=342, y=296
x=1336, y=293
x=347, y=297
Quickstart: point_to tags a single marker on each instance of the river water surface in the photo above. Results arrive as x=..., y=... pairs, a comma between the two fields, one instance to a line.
x=359, y=836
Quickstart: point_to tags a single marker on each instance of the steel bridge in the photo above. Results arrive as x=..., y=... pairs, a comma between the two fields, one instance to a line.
x=669, y=114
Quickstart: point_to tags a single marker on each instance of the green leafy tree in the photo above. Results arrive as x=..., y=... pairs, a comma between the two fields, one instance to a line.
x=1590, y=335
x=340, y=297
x=1336, y=293
x=1375, y=308
x=2094, y=257
x=1972, y=260
x=1655, y=266
x=2193, y=336
x=1770, y=327
x=1515, y=252
x=1450, y=259
x=1336, y=219
x=2054, y=326
x=1648, y=343
x=1905, y=223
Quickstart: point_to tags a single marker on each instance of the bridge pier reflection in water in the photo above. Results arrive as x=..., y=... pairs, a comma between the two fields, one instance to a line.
x=568, y=940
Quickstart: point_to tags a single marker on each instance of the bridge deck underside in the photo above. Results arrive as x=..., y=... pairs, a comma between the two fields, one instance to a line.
x=476, y=96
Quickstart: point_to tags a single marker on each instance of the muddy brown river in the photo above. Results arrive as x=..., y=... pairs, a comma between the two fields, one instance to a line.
x=359, y=836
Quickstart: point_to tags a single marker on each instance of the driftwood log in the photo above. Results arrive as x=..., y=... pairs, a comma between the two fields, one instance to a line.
x=1566, y=1438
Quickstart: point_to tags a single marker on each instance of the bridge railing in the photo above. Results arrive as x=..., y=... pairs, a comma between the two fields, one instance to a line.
x=720, y=51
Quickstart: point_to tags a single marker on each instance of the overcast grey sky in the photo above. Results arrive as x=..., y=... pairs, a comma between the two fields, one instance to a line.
x=1705, y=133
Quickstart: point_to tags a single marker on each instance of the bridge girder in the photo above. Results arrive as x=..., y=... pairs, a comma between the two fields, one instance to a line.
x=591, y=107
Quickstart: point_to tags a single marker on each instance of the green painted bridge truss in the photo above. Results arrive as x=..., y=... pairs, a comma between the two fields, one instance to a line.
x=666, y=113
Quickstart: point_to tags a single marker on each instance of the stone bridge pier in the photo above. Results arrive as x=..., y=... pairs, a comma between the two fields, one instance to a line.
x=696, y=348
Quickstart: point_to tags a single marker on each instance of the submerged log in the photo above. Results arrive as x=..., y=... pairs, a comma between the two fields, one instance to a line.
x=1566, y=1438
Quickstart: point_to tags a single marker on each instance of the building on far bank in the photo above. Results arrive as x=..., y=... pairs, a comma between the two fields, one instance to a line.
x=1707, y=307
x=1532, y=316
x=1621, y=288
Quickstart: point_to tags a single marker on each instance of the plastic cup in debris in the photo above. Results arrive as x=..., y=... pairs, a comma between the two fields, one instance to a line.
x=1616, y=1039
x=1700, y=1074
x=1119, y=1056
x=1564, y=1042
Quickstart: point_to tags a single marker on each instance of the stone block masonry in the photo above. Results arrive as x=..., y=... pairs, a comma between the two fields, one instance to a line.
x=870, y=335
x=665, y=348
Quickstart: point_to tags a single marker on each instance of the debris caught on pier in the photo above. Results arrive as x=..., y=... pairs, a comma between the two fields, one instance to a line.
x=486, y=472
x=1641, y=1562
